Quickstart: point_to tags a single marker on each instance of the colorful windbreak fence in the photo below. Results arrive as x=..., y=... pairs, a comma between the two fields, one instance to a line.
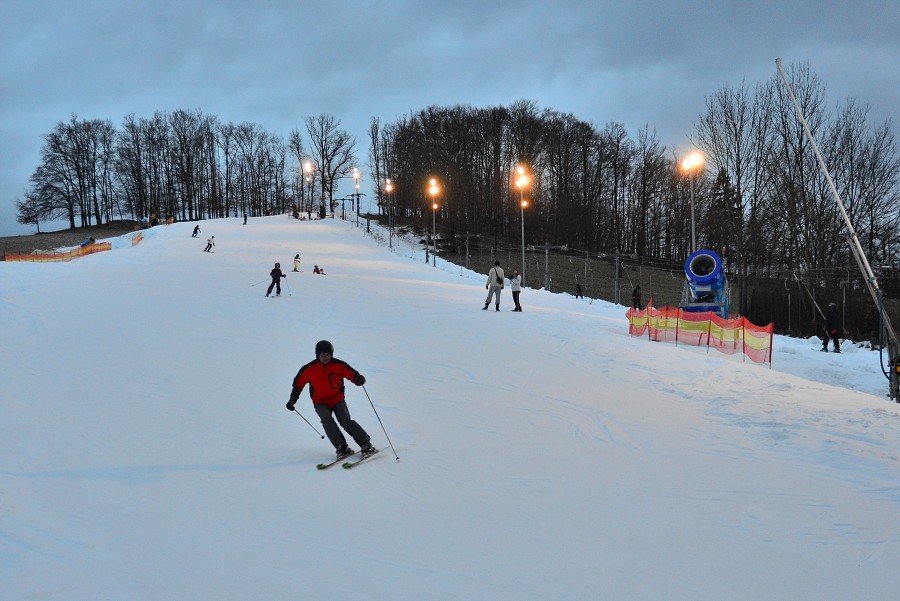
x=81, y=251
x=729, y=336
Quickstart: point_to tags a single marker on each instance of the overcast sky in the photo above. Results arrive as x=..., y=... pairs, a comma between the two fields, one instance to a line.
x=275, y=63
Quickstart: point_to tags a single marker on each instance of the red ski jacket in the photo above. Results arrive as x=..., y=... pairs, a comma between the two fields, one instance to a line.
x=326, y=382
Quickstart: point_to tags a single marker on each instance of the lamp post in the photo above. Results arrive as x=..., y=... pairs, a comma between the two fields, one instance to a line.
x=308, y=168
x=522, y=180
x=356, y=176
x=433, y=190
x=691, y=165
x=389, y=187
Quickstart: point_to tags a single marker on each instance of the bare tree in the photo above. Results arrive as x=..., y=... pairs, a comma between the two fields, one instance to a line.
x=332, y=148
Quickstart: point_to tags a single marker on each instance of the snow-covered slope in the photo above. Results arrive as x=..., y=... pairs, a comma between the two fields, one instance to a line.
x=147, y=453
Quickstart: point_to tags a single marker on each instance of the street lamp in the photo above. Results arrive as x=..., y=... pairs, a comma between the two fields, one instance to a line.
x=433, y=190
x=522, y=181
x=356, y=176
x=389, y=187
x=691, y=164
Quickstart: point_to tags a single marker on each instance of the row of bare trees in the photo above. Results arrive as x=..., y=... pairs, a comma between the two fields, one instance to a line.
x=761, y=198
x=183, y=164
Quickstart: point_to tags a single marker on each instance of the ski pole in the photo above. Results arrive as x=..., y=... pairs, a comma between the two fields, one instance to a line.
x=257, y=283
x=310, y=425
x=288, y=286
x=397, y=457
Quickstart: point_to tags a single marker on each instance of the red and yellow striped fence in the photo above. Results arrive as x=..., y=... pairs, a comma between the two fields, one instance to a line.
x=727, y=336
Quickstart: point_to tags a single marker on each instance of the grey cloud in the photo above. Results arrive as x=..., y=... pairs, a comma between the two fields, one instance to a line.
x=277, y=62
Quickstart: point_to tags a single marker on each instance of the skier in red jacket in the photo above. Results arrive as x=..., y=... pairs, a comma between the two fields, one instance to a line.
x=325, y=377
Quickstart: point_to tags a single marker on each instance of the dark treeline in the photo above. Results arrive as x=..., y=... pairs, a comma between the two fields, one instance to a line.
x=761, y=198
x=184, y=164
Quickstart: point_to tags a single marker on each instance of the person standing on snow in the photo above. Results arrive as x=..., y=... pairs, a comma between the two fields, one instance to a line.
x=636, y=298
x=515, y=285
x=210, y=242
x=297, y=262
x=494, y=285
x=325, y=376
x=276, y=274
x=832, y=328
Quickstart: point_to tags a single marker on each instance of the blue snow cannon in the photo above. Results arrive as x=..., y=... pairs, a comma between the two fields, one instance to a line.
x=706, y=288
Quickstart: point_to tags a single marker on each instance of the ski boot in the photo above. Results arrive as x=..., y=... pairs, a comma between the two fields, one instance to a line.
x=367, y=449
x=344, y=451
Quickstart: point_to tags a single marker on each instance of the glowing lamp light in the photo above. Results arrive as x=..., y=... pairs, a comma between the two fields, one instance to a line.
x=434, y=206
x=693, y=160
x=524, y=204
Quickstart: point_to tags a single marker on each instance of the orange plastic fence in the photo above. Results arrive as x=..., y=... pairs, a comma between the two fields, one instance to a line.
x=66, y=256
x=730, y=336
x=137, y=239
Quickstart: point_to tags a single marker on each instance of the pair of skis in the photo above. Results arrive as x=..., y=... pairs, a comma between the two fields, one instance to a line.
x=347, y=464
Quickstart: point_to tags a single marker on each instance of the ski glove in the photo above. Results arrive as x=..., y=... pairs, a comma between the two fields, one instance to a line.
x=359, y=380
x=290, y=405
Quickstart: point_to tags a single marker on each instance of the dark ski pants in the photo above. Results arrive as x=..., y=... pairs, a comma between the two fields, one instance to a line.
x=340, y=411
x=275, y=284
x=833, y=336
x=516, y=299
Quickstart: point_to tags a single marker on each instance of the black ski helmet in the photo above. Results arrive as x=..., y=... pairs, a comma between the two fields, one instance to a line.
x=323, y=346
x=277, y=264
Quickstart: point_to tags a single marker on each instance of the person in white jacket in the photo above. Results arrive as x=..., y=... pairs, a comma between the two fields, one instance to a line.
x=515, y=285
x=494, y=285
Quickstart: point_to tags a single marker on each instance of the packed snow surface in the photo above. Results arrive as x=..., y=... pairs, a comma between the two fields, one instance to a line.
x=147, y=452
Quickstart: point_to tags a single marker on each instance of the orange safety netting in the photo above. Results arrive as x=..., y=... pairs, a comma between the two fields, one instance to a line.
x=728, y=336
x=66, y=256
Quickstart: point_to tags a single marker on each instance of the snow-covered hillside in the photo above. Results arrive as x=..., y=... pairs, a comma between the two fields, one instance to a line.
x=147, y=452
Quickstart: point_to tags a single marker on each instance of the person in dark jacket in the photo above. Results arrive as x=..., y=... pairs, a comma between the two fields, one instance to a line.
x=832, y=328
x=325, y=376
x=578, y=292
x=636, y=298
x=276, y=274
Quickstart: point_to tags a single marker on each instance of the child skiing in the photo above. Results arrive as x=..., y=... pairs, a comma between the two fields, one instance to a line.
x=276, y=274
x=318, y=270
x=325, y=376
x=196, y=231
x=210, y=242
x=297, y=262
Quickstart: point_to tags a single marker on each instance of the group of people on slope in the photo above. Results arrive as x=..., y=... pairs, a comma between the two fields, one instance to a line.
x=495, y=284
x=276, y=274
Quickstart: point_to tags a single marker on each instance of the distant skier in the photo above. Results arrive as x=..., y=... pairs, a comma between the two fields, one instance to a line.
x=515, y=284
x=210, y=242
x=325, y=376
x=832, y=328
x=636, y=298
x=196, y=231
x=297, y=262
x=276, y=274
x=318, y=270
x=578, y=292
x=494, y=285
